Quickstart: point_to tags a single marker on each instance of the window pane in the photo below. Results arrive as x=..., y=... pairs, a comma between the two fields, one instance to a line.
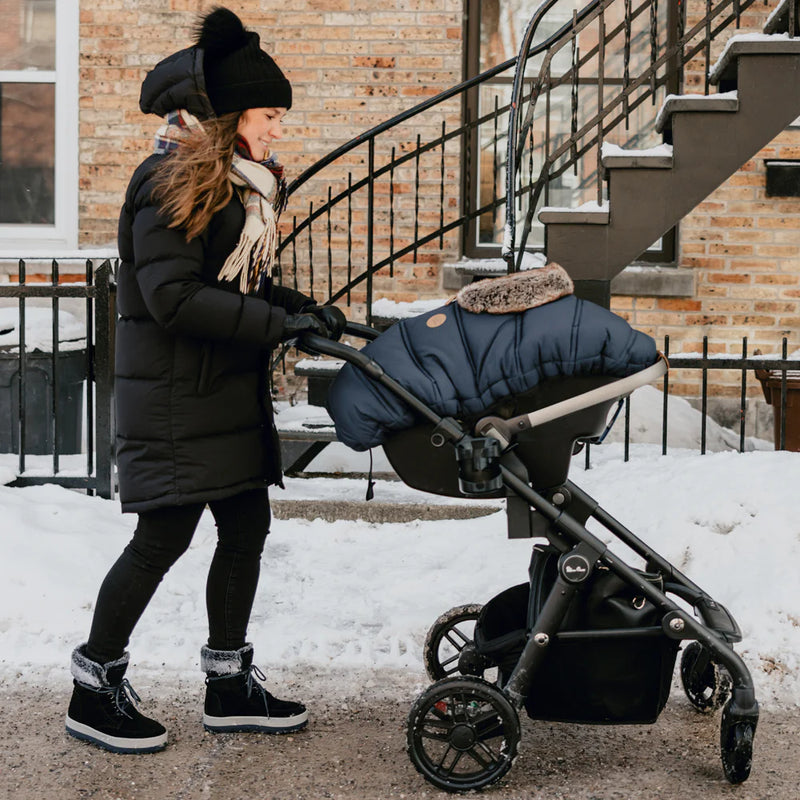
x=27, y=34
x=503, y=23
x=27, y=153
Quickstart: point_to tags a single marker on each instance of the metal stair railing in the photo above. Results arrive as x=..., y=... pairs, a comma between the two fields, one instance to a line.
x=593, y=121
x=390, y=195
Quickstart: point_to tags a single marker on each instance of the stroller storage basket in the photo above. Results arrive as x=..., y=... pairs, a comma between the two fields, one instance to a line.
x=610, y=663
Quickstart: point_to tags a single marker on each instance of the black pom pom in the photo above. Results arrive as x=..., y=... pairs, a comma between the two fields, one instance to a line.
x=220, y=32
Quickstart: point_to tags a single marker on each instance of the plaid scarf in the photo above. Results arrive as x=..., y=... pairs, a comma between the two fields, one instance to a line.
x=262, y=188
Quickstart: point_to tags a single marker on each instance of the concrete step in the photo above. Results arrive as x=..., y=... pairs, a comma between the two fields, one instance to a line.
x=615, y=157
x=726, y=103
x=377, y=511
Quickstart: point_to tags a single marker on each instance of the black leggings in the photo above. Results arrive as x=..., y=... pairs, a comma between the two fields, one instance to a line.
x=161, y=537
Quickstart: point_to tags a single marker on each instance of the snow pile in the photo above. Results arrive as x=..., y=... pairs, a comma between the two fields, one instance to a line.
x=360, y=597
x=684, y=425
x=39, y=330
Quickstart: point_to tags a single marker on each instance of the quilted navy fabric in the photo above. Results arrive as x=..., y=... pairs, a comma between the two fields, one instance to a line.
x=460, y=363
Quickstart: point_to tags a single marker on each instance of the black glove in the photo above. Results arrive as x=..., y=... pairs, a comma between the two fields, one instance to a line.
x=295, y=324
x=331, y=317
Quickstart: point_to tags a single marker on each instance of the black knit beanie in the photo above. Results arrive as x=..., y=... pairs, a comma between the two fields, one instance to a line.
x=238, y=73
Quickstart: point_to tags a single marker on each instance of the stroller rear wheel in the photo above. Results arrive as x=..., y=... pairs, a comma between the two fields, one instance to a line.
x=706, y=683
x=447, y=639
x=463, y=734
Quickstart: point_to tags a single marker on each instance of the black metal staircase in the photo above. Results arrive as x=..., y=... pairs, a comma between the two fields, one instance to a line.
x=711, y=137
x=589, y=104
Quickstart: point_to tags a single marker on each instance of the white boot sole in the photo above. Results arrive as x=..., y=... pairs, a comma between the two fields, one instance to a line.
x=263, y=724
x=116, y=744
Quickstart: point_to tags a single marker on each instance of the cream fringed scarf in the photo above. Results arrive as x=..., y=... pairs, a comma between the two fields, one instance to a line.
x=259, y=189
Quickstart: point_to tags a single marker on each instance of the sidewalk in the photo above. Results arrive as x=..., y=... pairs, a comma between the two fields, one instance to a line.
x=354, y=749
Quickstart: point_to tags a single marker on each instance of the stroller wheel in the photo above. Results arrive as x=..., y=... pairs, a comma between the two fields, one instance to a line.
x=736, y=746
x=449, y=635
x=462, y=734
x=707, y=684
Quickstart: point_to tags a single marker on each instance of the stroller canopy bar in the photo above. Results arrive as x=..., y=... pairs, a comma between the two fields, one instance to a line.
x=504, y=430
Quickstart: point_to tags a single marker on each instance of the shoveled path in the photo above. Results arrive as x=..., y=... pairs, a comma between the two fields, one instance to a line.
x=354, y=747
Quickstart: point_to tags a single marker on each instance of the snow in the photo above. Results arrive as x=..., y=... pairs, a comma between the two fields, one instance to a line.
x=750, y=37
x=318, y=364
x=591, y=207
x=39, y=330
x=499, y=266
x=354, y=600
x=660, y=150
x=699, y=99
x=390, y=309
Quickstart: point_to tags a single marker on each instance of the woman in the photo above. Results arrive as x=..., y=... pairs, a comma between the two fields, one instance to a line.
x=197, y=317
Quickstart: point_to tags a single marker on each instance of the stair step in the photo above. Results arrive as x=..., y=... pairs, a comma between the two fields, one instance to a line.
x=615, y=157
x=745, y=44
x=587, y=214
x=675, y=103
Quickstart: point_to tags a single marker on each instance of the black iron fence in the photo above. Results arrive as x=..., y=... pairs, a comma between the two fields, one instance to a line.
x=777, y=374
x=56, y=387
x=56, y=378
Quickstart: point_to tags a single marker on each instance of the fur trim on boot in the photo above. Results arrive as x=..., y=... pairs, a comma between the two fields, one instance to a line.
x=90, y=673
x=516, y=292
x=226, y=662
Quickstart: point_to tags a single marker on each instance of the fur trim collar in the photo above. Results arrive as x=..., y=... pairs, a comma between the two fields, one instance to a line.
x=516, y=292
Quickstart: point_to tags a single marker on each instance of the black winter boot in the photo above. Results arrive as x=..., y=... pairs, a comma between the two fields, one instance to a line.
x=236, y=701
x=101, y=710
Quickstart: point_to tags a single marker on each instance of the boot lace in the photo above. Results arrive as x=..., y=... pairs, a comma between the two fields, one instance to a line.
x=123, y=695
x=252, y=675
x=253, y=685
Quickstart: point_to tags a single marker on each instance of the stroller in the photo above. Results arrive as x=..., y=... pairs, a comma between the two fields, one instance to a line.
x=588, y=638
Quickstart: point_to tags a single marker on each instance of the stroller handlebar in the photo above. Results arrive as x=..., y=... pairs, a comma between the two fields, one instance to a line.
x=317, y=345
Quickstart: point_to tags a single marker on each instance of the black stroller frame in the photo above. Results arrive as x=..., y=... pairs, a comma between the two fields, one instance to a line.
x=463, y=731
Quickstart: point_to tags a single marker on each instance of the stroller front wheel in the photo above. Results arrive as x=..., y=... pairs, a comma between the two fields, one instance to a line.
x=463, y=734
x=447, y=638
x=706, y=683
x=736, y=746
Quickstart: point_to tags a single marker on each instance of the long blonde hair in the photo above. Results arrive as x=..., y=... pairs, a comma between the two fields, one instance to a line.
x=192, y=182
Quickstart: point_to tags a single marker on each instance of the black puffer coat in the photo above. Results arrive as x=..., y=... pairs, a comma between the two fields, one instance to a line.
x=194, y=420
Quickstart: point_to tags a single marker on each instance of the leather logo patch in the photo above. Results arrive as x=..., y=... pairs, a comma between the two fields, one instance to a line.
x=436, y=320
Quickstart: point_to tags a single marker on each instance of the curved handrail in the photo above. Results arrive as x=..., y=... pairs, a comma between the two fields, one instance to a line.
x=425, y=105
x=553, y=154
x=516, y=100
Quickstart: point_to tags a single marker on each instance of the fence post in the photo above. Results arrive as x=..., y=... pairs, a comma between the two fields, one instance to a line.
x=104, y=380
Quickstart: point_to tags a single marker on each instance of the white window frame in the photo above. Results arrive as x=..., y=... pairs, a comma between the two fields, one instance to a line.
x=26, y=241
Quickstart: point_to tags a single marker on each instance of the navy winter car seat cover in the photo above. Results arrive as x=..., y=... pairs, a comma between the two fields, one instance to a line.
x=460, y=363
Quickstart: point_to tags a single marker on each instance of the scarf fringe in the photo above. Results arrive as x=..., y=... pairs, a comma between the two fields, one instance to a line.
x=253, y=255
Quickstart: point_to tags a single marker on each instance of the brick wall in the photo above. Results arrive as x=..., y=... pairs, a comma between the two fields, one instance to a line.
x=355, y=63
x=352, y=63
